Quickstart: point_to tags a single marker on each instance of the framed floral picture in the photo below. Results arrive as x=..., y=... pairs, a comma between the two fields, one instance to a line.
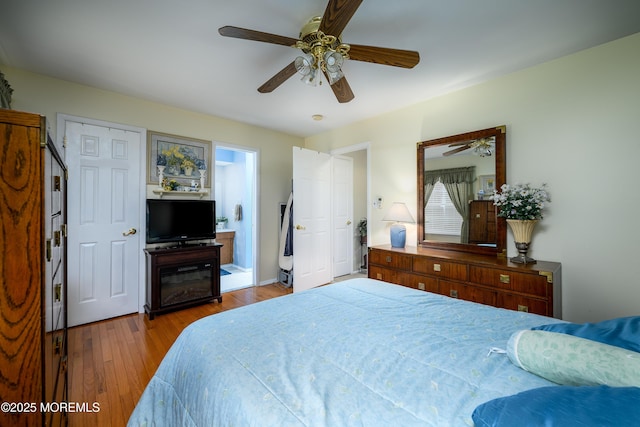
x=181, y=159
x=487, y=183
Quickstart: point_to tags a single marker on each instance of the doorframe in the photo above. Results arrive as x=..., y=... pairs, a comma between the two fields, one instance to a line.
x=255, y=253
x=335, y=242
x=366, y=146
x=61, y=118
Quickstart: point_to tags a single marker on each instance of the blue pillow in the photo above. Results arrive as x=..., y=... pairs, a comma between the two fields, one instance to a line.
x=622, y=332
x=562, y=406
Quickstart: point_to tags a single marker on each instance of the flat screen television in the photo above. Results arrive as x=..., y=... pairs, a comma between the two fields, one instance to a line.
x=180, y=220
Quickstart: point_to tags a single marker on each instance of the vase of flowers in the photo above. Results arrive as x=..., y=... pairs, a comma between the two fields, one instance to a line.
x=170, y=184
x=221, y=222
x=522, y=206
x=187, y=166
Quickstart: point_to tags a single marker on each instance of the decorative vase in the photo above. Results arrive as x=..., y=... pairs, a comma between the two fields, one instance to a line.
x=522, y=230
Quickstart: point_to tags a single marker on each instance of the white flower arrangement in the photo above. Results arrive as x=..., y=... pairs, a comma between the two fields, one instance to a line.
x=520, y=201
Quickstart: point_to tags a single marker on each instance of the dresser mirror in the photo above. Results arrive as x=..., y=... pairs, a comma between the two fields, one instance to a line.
x=456, y=177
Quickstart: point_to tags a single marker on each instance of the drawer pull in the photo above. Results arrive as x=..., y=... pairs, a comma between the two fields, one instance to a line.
x=436, y=267
x=388, y=259
x=504, y=278
x=523, y=308
x=48, y=250
x=453, y=293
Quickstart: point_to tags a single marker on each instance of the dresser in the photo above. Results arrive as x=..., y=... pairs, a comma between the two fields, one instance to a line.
x=482, y=222
x=33, y=284
x=486, y=279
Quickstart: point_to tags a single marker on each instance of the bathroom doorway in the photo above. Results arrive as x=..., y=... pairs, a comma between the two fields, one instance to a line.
x=236, y=209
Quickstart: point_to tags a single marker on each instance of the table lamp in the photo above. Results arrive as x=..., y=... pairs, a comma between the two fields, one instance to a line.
x=398, y=213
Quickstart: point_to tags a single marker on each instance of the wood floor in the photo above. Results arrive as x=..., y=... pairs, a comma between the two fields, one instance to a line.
x=111, y=362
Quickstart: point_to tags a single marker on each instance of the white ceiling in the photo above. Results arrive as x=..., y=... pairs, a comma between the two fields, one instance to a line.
x=169, y=51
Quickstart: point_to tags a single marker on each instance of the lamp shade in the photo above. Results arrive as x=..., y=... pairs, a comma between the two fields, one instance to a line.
x=398, y=232
x=399, y=213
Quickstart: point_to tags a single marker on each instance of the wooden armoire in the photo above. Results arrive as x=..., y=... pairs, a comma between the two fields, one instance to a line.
x=33, y=285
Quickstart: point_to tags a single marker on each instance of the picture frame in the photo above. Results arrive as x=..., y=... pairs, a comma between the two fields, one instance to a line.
x=487, y=183
x=182, y=157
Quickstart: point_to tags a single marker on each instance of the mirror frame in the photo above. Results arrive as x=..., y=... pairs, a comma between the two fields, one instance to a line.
x=500, y=135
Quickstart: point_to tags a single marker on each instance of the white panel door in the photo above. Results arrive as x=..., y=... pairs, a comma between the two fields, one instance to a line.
x=342, y=215
x=103, y=215
x=311, y=219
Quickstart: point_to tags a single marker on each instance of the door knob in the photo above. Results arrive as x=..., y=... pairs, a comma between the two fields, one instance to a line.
x=299, y=227
x=130, y=232
x=348, y=222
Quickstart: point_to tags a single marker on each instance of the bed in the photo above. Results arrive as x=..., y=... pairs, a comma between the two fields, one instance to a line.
x=355, y=353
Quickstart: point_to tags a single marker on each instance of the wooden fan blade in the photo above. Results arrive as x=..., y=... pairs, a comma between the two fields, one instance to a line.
x=385, y=56
x=457, y=150
x=341, y=90
x=275, y=81
x=337, y=15
x=258, y=36
x=457, y=144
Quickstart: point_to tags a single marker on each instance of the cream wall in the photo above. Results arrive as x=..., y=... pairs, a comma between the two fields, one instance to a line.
x=573, y=123
x=44, y=95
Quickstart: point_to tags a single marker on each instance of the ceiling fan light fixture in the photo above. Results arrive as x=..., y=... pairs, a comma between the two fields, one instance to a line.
x=334, y=76
x=333, y=61
x=304, y=64
x=311, y=78
x=483, y=147
x=333, y=66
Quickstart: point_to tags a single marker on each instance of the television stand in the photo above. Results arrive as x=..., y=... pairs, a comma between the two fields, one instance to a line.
x=183, y=245
x=181, y=277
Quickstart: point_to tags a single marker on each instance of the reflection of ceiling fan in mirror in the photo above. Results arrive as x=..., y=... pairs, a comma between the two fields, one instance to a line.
x=483, y=147
x=323, y=50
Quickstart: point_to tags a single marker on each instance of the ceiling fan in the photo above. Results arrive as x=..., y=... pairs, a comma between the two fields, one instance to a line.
x=323, y=50
x=483, y=147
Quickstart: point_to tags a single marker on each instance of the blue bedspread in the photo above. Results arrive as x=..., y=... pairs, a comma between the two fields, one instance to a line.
x=355, y=353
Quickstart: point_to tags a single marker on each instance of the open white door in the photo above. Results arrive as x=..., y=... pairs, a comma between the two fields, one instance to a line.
x=104, y=221
x=312, y=263
x=342, y=215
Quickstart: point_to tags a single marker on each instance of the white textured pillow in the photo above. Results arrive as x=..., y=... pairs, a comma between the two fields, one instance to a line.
x=569, y=360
